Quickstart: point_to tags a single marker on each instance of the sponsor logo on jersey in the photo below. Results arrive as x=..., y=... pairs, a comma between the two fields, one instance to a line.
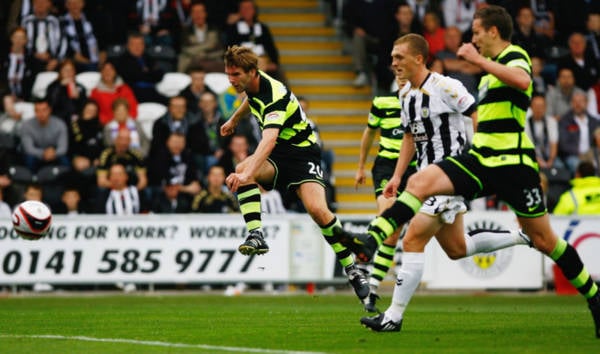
x=273, y=116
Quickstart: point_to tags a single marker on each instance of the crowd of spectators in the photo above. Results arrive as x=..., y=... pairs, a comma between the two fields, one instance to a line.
x=85, y=148
x=78, y=133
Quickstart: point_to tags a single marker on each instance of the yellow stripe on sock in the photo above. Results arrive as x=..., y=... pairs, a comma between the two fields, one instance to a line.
x=384, y=225
x=581, y=279
x=593, y=290
x=253, y=207
x=328, y=231
x=253, y=225
x=244, y=195
x=561, y=246
x=346, y=261
x=411, y=201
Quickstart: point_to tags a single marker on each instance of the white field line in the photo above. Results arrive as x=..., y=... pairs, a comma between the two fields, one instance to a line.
x=156, y=343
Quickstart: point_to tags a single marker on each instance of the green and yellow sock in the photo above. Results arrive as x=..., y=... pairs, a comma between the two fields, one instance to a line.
x=405, y=207
x=567, y=259
x=249, y=199
x=381, y=264
x=344, y=255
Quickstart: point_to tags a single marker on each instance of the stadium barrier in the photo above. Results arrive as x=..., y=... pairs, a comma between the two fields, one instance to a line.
x=202, y=248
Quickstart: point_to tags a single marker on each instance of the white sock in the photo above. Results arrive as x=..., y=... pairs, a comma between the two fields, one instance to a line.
x=373, y=284
x=407, y=282
x=482, y=241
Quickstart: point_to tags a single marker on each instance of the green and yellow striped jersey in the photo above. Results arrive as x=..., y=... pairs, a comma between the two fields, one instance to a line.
x=275, y=106
x=500, y=138
x=385, y=115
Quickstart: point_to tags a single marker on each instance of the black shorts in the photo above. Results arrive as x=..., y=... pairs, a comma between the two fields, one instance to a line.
x=383, y=170
x=294, y=166
x=517, y=185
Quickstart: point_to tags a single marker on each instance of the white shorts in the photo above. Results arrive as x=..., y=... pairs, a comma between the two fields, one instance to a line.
x=444, y=206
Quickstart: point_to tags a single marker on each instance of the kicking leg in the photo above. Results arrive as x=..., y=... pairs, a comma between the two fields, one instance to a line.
x=313, y=197
x=420, y=230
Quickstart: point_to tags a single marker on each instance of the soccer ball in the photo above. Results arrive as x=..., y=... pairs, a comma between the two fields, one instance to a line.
x=31, y=220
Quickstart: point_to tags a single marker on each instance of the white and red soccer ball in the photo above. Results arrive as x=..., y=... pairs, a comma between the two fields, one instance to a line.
x=32, y=219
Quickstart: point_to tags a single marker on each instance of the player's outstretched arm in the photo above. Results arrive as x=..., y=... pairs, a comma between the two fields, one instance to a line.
x=243, y=110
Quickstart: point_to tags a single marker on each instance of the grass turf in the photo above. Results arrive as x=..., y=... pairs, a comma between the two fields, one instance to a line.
x=321, y=323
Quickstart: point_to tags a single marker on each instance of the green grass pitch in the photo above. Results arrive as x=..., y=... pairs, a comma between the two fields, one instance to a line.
x=190, y=323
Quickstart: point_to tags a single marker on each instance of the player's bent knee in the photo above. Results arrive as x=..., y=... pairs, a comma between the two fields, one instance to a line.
x=454, y=254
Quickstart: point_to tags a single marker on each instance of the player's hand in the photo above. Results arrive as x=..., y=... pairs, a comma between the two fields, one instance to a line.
x=234, y=181
x=391, y=188
x=359, y=178
x=468, y=52
x=228, y=128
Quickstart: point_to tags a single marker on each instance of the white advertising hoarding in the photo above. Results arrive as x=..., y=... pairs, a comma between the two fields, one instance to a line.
x=203, y=248
x=145, y=248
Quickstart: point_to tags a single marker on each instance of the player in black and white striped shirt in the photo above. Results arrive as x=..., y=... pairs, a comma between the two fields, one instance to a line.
x=433, y=114
x=46, y=41
x=433, y=110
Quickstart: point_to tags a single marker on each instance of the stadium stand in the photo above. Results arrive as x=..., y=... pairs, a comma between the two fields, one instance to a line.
x=89, y=80
x=172, y=83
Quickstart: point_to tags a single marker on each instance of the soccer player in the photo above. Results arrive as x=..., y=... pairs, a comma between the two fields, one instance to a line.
x=287, y=156
x=501, y=161
x=433, y=111
x=385, y=117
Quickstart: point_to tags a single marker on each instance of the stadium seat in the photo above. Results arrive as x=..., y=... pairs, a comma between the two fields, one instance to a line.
x=172, y=83
x=89, y=80
x=20, y=174
x=114, y=51
x=51, y=178
x=148, y=112
x=41, y=82
x=165, y=57
x=26, y=109
x=50, y=174
x=218, y=82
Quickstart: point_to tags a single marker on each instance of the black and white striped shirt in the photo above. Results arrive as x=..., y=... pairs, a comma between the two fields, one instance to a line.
x=123, y=202
x=45, y=35
x=16, y=70
x=434, y=115
x=149, y=10
x=271, y=203
x=80, y=37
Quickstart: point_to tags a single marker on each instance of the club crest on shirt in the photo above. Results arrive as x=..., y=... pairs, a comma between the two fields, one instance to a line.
x=425, y=112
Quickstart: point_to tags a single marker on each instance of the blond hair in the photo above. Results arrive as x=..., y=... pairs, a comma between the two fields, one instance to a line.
x=241, y=57
x=417, y=45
